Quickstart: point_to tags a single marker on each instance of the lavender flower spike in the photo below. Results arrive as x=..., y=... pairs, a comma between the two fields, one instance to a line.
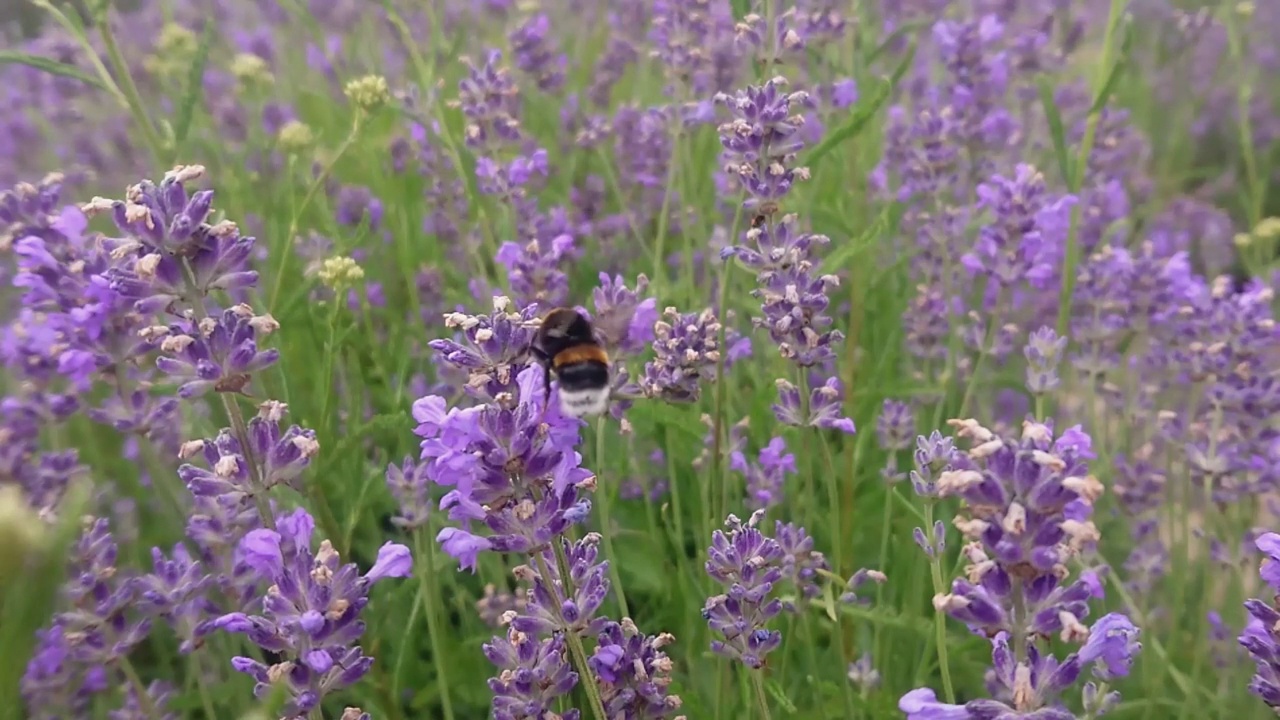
x=748, y=563
x=310, y=614
x=1261, y=636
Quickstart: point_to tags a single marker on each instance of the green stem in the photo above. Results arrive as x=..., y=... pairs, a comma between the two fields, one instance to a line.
x=429, y=591
x=1256, y=181
x=144, y=700
x=988, y=341
x=762, y=700
x=312, y=189
x=719, y=468
x=129, y=88
x=939, y=617
x=586, y=679
x=1018, y=621
x=1072, y=255
x=660, y=242
x=604, y=491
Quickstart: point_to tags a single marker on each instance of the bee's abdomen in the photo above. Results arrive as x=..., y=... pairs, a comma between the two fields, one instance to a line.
x=583, y=375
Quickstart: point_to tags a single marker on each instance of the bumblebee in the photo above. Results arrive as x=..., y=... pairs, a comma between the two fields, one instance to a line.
x=566, y=347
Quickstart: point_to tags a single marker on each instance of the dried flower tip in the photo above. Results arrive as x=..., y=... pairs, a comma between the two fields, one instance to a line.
x=97, y=206
x=368, y=93
x=1072, y=629
x=970, y=428
x=175, y=344
x=224, y=228
x=190, y=449
x=264, y=324
x=954, y=482
x=1089, y=488
x=272, y=410
x=184, y=173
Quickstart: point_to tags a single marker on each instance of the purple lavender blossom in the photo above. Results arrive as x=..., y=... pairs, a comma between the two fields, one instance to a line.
x=490, y=101
x=534, y=273
x=800, y=563
x=748, y=564
x=1044, y=352
x=512, y=467
x=535, y=57
x=633, y=672
x=411, y=489
x=218, y=355
x=497, y=346
x=825, y=407
x=761, y=142
x=281, y=457
x=686, y=350
x=895, y=425
x=767, y=476
x=310, y=614
x=77, y=656
x=1260, y=636
x=624, y=317
x=794, y=297
x=533, y=673
x=1031, y=687
x=1029, y=500
x=1028, y=230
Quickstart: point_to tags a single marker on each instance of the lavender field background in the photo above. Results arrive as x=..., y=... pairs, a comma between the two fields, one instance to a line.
x=945, y=387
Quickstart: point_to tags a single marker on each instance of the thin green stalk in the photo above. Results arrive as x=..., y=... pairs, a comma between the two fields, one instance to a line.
x=1018, y=621
x=1255, y=181
x=130, y=89
x=586, y=679
x=429, y=591
x=206, y=701
x=144, y=700
x=660, y=241
x=719, y=468
x=1153, y=641
x=1072, y=255
x=939, y=617
x=316, y=183
x=604, y=491
x=762, y=700
x=988, y=341
x=420, y=599
x=885, y=532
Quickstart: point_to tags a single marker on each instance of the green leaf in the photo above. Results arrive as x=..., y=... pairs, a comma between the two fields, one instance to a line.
x=893, y=37
x=1056, y=129
x=1117, y=70
x=866, y=241
x=195, y=86
x=780, y=697
x=862, y=113
x=53, y=67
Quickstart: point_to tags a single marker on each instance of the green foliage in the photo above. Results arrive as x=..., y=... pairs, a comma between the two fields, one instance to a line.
x=349, y=372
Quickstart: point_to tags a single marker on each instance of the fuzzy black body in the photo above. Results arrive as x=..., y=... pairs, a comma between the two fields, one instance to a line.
x=566, y=346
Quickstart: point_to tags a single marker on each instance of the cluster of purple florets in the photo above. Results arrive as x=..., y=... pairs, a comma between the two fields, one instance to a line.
x=920, y=215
